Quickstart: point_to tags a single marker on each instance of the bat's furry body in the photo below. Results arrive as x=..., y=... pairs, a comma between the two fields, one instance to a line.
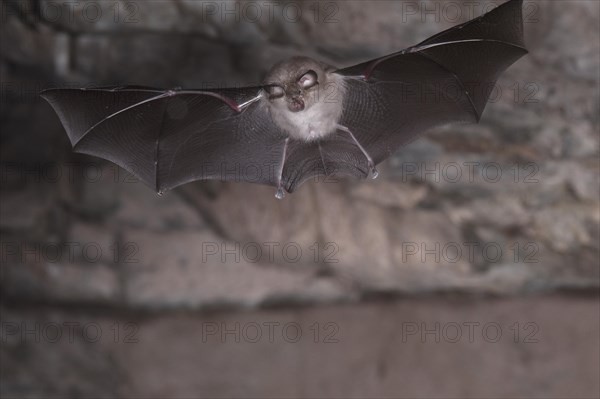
x=307, y=119
x=323, y=102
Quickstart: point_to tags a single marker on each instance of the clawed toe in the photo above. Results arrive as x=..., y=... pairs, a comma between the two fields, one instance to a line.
x=280, y=193
x=373, y=170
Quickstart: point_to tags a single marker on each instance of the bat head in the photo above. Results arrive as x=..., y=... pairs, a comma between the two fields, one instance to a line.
x=295, y=83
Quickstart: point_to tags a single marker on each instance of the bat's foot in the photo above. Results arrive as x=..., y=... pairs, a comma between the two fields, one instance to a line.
x=374, y=171
x=280, y=193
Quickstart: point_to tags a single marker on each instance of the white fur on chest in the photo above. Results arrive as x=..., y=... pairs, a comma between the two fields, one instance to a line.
x=312, y=124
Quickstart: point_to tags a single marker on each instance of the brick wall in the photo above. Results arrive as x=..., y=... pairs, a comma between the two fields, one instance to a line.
x=507, y=207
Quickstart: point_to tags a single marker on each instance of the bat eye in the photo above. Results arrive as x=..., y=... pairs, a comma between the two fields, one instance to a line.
x=308, y=80
x=275, y=91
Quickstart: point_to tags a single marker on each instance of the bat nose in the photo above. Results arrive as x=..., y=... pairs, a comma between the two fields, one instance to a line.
x=293, y=90
x=296, y=104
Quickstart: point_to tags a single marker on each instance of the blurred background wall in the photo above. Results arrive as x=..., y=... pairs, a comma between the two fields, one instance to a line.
x=470, y=268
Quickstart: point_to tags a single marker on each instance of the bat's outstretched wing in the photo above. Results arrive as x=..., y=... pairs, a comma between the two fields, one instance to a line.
x=170, y=137
x=389, y=100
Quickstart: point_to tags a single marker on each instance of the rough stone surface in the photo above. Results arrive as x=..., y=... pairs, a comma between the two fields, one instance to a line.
x=509, y=348
x=521, y=188
x=507, y=207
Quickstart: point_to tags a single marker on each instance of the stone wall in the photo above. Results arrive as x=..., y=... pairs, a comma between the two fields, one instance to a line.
x=509, y=207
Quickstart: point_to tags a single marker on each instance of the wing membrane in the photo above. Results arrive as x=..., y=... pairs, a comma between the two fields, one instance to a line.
x=447, y=78
x=169, y=138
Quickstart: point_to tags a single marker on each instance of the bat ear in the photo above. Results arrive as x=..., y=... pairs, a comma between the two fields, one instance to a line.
x=309, y=79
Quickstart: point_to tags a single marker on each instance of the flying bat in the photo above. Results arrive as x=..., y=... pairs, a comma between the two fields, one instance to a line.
x=307, y=119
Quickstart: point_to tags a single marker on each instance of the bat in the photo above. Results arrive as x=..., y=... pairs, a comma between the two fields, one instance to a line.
x=306, y=119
